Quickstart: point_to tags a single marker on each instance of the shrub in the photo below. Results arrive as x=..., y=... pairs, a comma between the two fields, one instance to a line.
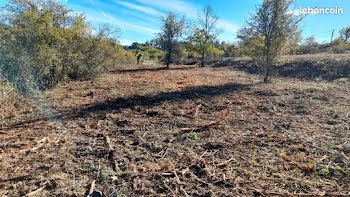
x=340, y=46
x=147, y=52
x=42, y=43
x=266, y=45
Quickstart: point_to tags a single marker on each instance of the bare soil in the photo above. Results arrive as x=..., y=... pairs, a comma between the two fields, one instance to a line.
x=187, y=131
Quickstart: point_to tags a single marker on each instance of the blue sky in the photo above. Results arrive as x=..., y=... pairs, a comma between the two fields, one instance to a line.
x=139, y=19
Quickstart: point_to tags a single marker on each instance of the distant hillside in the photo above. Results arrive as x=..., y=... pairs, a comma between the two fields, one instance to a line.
x=311, y=66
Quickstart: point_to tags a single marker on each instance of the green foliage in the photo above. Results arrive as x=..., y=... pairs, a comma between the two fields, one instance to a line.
x=204, y=35
x=339, y=46
x=153, y=53
x=7, y=92
x=11, y=103
x=309, y=46
x=293, y=44
x=127, y=57
x=250, y=42
x=254, y=162
x=229, y=50
x=44, y=43
x=203, y=45
x=326, y=171
x=340, y=169
x=214, y=52
x=148, y=52
x=268, y=33
x=192, y=136
x=168, y=39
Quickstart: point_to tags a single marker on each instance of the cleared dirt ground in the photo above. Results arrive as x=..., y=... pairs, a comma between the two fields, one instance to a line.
x=187, y=131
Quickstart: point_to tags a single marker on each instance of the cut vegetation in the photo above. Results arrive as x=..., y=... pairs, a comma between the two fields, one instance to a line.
x=82, y=115
x=185, y=132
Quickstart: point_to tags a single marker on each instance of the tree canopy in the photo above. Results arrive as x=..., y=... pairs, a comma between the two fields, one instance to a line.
x=171, y=30
x=268, y=32
x=205, y=33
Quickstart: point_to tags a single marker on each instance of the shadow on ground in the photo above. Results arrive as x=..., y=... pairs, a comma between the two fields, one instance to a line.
x=102, y=108
x=148, y=101
x=150, y=69
x=136, y=100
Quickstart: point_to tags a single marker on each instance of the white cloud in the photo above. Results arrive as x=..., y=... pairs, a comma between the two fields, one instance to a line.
x=227, y=26
x=142, y=16
x=100, y=17
x=128, y=26
x=155, y=8
x=143, y=9
x=130, y=12
x=126, y=42
x=191, y=11
x=178, y=6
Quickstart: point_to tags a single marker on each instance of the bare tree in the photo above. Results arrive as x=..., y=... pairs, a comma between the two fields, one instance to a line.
x=310, y=45
x=268, y=32
x=205, y=33
x=345, y=33
x=171, y=31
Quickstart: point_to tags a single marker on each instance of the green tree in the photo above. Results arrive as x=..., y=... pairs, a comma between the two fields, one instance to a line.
x=268, y=32
x=228, y=49
x=43, y=43
x=171, y=31
x=145, y=51
x=205, y=33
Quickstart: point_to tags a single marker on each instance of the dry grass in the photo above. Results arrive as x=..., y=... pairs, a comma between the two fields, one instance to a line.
x=130, y=132
x=12, y=105
x=322, y=66
x=317, y=57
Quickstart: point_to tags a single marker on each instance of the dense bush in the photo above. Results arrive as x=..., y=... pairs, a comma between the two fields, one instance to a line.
x=339, y=46
x=147, y=51
x=310, y=46
x=43, y=43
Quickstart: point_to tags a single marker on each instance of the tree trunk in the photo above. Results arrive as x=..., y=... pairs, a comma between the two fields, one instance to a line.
x=202, y=61
x=168, y=58
x=267, y=72
x=268, y=62
x=167, y=65
x=267, y=77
